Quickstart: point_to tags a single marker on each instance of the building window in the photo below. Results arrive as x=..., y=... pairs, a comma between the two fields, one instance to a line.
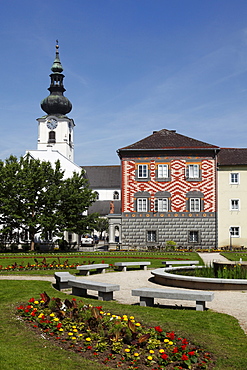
x=52, y=137
x=195, y=205
x=151, y=236
x=193, y=236
x=234, y=178
x=234, y=231
x=162, y=171
x=161, y=205
x=142, y=205
x=234, y=205
x=142, y=171
x=193, y=172
x=116, y=195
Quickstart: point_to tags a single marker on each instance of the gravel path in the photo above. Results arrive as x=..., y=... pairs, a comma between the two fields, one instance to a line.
x=233, y=303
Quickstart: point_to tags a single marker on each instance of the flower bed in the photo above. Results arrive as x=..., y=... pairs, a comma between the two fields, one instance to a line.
x=117, y=341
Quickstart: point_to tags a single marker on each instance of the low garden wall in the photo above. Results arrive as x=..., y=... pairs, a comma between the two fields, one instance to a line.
x=165, y=276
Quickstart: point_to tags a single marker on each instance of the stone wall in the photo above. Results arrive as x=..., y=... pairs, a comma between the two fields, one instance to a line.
x=171, y=226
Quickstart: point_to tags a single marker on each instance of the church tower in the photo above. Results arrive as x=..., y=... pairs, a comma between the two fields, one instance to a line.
x=56, y=130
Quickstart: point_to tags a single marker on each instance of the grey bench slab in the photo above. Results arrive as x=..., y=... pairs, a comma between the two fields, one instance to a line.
x=62, y=279
x=122, y=266
x=189, y=263
x=147, y=296
x=85, y=269
x=105, y=290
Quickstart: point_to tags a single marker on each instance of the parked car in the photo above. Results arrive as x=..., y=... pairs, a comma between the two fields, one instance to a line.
x=87, y=239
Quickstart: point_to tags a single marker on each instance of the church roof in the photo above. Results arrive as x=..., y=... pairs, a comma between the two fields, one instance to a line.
x=103, y=207
x=232, y=156
x=103, y=177
x=168, y=140
x=52, y=156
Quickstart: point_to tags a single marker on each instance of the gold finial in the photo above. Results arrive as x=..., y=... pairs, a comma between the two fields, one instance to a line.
x=57, y=46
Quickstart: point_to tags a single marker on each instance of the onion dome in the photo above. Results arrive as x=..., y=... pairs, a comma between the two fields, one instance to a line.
x=56, y=102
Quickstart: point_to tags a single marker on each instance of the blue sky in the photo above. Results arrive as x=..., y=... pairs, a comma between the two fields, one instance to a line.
x=131, y=67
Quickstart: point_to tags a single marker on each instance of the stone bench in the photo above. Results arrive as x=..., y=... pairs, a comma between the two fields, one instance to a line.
x=62, y=279
x=122, y=266
x=188, y=263
x=105, y=290
x=85, y=269
x=147, y=296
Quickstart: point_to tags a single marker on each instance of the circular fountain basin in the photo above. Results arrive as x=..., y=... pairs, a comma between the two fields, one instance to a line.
x=165, y=276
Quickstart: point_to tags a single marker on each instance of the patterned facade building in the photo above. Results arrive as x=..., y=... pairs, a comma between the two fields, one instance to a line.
x=169, y=192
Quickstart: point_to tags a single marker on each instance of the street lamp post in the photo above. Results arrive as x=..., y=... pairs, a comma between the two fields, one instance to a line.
x=230, y=232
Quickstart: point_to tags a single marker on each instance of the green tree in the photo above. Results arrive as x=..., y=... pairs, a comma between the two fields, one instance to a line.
x=35, y=197
x=102, y=224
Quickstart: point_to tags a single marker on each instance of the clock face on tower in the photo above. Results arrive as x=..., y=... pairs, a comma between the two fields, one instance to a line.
x=51, y=123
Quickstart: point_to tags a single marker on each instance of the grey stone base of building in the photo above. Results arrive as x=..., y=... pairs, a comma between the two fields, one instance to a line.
x=180, y=228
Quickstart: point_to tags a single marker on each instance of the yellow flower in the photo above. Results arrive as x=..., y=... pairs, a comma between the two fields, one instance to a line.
x=161, y=351
x=73, y=338
x=42, y=301
x=36, y=302
x=56, y=319
x=75, y=330
x=166, y=341
x=151, y=351
x=52, y=314
x=88, y=339
x=138, y=324
x=73, y=327
x=150, y=358
x=108, y=314
x=80, y=335
x=70, y=334
x=61, y=329
x=136, y=354
x=125, y=318
x=127, y=350
x=132, y=320
x=170, y=343
x=40, y=316
x=131, y=317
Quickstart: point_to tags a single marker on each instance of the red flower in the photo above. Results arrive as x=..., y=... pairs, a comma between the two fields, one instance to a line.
x=184, y=357
x=31, y=300
x=184, y=341
x=89, y=347
x=170, y=335
x=191, y=353
x=33, y=313
x=164, y=356
x=59, y=325
x=175, y=350
x=158, y=329
x=184, y=347
x=99, y=308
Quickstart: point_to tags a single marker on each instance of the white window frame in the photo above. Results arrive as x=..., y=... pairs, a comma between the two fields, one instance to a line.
x=234, y=178
x=234, y=205
x=142, y=171
x=234, y=231
x=161, y=205
x=195, y=204
x=142, y=205
x=151, y=236
x=194, y=171
x=162, y=171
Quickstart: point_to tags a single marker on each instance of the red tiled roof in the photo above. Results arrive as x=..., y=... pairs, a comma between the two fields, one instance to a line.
x=168, y=139
x=232, y=156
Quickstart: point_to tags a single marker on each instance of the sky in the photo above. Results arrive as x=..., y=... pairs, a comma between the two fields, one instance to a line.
x=131, y=67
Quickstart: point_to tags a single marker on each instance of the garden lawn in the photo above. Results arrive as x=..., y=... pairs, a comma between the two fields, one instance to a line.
x=83, y=258
x=235, y=256
x=22, y=348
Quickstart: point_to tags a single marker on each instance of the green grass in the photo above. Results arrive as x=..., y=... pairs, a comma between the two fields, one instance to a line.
x=22, y=349
x=85, y=258
x=235, y=256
